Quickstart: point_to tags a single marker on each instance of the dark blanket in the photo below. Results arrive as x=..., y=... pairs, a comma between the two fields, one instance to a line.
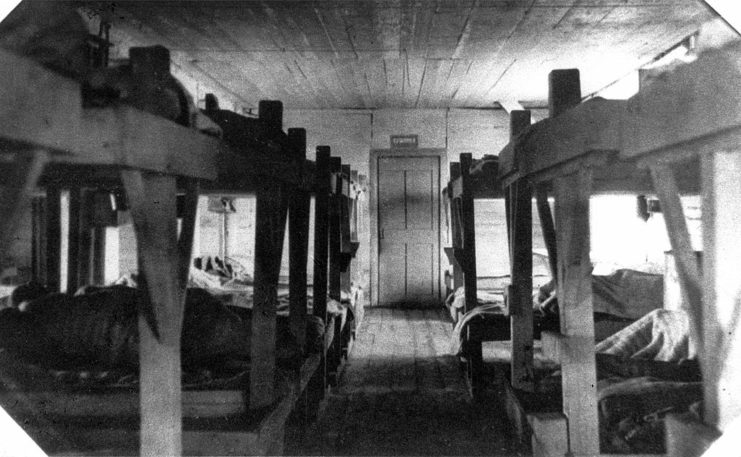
x=100, y=328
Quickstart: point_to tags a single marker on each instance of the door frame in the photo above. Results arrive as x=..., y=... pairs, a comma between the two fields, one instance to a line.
x=376, y=154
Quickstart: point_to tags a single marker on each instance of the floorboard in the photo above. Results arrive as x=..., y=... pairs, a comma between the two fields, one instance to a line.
x=402, y=393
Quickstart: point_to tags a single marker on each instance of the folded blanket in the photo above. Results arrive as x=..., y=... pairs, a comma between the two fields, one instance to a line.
x=659, y=335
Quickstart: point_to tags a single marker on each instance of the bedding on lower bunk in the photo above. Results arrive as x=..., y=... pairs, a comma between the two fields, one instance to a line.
x=645, y=371
x=618, y=298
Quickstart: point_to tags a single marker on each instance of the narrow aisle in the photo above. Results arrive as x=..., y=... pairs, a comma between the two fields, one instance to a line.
x=402, y=393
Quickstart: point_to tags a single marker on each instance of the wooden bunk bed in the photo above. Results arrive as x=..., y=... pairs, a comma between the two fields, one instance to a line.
x=49, y=138
x=645, y=145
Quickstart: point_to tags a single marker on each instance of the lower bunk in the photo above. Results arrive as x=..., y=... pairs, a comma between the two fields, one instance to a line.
x=69, y=373
x=646, y=377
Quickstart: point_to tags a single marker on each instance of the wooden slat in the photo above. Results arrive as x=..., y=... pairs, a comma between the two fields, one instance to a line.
x=298, y=245
x=521, y=260
x=153, y=208
x=576, y=311
x=270, y=224
x=548, y=227
x=721, y=219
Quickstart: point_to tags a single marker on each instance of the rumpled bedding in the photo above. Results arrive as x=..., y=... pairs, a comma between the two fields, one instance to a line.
x=661, y=335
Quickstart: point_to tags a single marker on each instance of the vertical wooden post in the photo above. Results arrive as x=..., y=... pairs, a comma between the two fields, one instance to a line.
x=53, y=238
x=335, y=274
x=520, y=217
x=84, y=268
x=19, y=180
x=270, y=216
x=472, y=346
x=298, y=243
x=335, y=165
x=321, y=231
x=564, y=91
x=38, y=240
x=74, y=281
x=162, y=261
x=321, y=251
x=721, y=208
x=578, y=365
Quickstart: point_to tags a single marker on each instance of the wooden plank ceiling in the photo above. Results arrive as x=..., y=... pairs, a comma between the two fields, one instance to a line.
x=405, y=53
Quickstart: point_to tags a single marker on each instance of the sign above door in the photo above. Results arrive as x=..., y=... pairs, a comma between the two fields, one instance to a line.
x=404, y=141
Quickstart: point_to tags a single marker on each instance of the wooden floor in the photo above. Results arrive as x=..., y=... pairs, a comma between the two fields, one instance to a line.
x=402, y=393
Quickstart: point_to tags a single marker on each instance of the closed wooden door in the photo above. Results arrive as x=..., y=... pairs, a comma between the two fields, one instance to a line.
x=408, y=230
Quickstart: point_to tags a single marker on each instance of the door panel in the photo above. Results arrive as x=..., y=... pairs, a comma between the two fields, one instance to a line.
x=408, y=229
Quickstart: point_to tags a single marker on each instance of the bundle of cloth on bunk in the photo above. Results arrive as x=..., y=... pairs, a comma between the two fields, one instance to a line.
x=618, y=299
x=228, y=282
x=98, y=327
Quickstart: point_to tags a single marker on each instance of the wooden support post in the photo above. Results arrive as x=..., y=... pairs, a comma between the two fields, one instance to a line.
x=321, y=253
x=564, y=91
x=520, y=226
x=74, y=281
x=472, y=347
x=688, y=269
x=53, y=238
x=578, y=367
x=298, y=244
x=38, y=240
x=335, y=234
x=721, y=219
x=335, y=274
x=520, y=298
x=163, y=264
x=85, y=236
x=270, y=216
x=321, y=231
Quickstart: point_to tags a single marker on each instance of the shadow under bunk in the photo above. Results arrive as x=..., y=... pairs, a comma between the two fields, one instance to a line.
x=61, y=144
x=580, y=151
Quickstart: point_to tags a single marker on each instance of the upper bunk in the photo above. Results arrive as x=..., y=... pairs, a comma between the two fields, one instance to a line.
x=483, y=180
x=592, y=134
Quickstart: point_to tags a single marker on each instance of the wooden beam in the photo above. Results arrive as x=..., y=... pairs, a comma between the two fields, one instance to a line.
x=152, y=198
x=298, y=245
x=49, y=114
x=548, y=227
x=520, y=223
x=270, y=225
x=721, y=227
x=85, y=237
x=578, y=366
x=688, y=269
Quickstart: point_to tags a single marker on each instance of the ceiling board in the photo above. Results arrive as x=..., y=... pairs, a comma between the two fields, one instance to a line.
x=404, y=53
